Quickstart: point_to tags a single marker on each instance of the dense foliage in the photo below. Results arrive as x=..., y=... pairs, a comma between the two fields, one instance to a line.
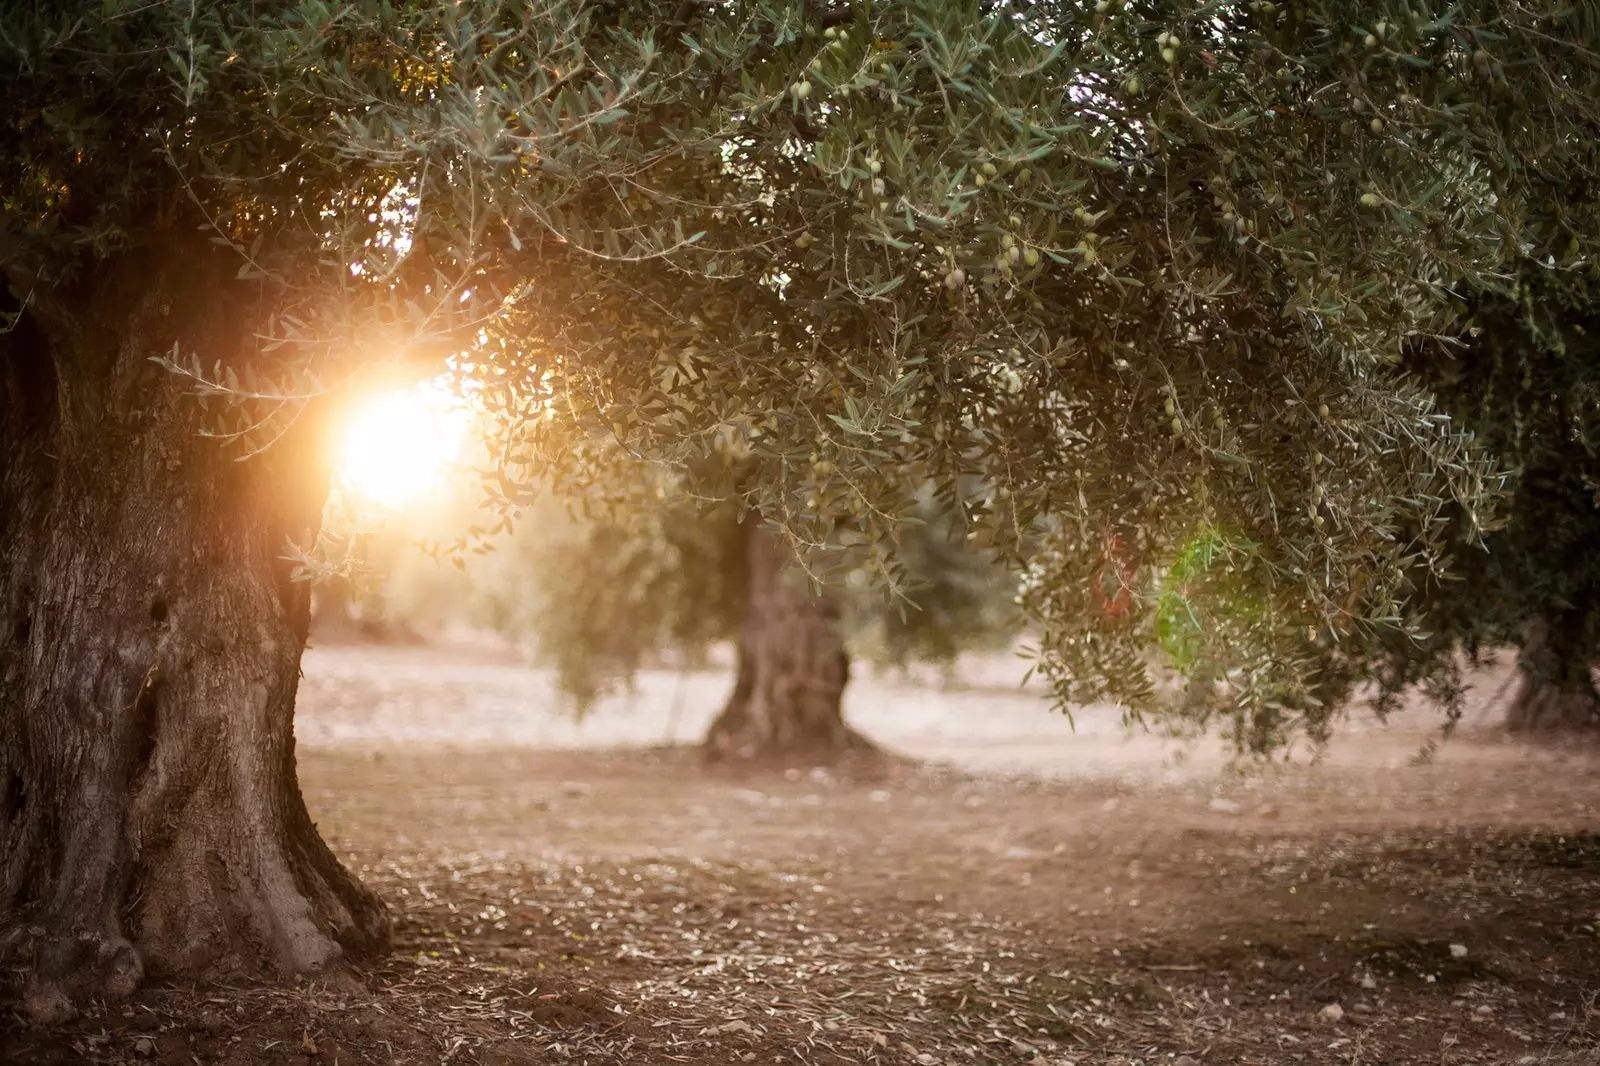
x=1524, y=375
x=1143, y=271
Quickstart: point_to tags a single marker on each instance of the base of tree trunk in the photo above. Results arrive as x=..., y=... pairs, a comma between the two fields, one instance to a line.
x=1541, y=707
x=787, y=700
x=1556, y=690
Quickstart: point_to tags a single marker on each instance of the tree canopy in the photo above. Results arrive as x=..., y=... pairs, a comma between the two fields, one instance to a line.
x=1143, y=273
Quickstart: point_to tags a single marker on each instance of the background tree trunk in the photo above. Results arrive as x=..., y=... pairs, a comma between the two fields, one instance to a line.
x=150, y=637
x=333, y=616
x=787, y=695
x=1557, y=687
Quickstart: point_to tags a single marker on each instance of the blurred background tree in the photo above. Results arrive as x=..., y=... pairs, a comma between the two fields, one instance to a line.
x=663, y=582
x=1522, y=371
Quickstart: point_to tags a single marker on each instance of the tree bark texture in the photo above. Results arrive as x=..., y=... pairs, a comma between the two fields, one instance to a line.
x=1557, y=688
x=151, y=822
x=788, y=693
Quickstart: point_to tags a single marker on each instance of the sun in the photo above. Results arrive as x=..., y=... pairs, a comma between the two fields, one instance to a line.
x=401, y=444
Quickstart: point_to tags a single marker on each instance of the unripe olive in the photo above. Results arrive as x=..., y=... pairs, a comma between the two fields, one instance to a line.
x=801, y=90
x=1170, y=406
x=1169, y=56
x=1031, y=257
x=1177, y=427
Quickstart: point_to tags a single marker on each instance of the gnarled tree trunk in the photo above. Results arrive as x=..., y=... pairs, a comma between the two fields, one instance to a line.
x=1557, y=687
x=150, y=640
x=788, y=693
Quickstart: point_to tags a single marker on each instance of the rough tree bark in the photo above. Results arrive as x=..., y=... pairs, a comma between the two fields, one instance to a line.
x=151, y=822
x=1557, y=687
x=788, y=692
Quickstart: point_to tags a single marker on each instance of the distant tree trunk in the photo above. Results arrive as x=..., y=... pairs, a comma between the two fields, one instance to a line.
x=787, y=696
x=151, y=822
x=333, y=616
x=1557, y=688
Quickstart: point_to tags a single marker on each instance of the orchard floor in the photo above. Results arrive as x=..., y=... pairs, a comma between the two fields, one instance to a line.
x=1009, y=892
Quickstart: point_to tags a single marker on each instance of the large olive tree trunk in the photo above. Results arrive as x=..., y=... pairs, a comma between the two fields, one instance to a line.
x=1557, y=686
x=787, y=696
x=150, y=640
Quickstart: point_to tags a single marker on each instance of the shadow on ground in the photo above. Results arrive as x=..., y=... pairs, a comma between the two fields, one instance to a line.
x=629, y=905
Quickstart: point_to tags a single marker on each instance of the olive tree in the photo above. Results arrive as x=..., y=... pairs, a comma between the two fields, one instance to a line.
x=670, y=573
x=1520, y=372
x=1145, y=268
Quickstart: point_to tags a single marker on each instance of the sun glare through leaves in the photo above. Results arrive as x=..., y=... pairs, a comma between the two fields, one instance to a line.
x=402, y=444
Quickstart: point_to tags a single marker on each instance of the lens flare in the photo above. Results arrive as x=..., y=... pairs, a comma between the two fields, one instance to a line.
x=402, y=444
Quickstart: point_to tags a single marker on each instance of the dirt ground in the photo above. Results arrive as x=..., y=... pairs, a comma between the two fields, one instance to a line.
x=1011, y=891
